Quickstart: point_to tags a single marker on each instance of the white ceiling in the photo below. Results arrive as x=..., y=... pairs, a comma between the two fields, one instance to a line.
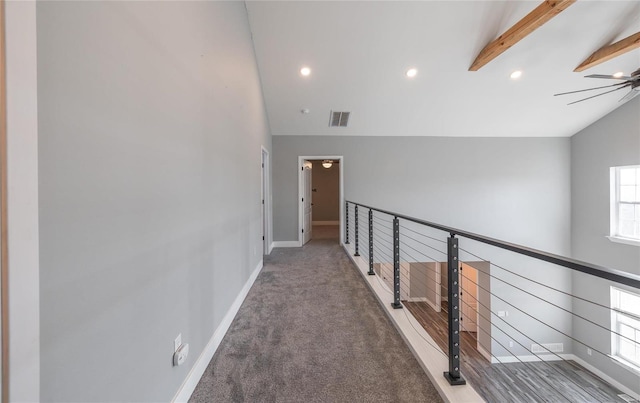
x=359, y=52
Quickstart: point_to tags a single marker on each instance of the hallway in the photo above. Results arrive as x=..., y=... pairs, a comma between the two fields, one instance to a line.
x=310, y=330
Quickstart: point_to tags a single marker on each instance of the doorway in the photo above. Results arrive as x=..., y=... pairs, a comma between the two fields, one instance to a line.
x=320, y=196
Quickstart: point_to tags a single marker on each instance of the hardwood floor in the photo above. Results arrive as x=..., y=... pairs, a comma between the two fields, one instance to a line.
x=515, y=382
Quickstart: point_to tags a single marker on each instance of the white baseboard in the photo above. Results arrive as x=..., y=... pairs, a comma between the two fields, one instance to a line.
x=270, y=248
x=192, y=379
x=419, y=299
x=531, y=358
x=605, y=377
x=285, y=244
x=325, y=223
x=484, y=352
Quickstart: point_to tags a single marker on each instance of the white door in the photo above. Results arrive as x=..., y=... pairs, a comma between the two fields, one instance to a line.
x=469, y=297
x=306, y=200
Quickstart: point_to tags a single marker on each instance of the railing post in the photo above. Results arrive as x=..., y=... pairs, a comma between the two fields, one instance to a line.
x=453, y=289
x=371, y=272
x=356, y=219
x=346, y=223
x=396, y=264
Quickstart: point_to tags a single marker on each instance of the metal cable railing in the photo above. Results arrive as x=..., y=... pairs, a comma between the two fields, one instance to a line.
x=429, y=269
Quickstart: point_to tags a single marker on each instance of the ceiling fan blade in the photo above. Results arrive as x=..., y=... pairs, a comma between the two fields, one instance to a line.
x=624, y=78
x=629, y=95
x=606, y=92
x=589, y=89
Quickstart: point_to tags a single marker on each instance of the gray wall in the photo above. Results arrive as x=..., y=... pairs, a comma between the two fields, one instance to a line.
x=326, y=182
x=516, y=189
x=612, y=141
x=151, y=120
x=423, y=280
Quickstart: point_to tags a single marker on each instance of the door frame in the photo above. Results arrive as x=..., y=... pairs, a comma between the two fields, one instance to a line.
x=300, y=168
x=307, y=201
x=265, y=195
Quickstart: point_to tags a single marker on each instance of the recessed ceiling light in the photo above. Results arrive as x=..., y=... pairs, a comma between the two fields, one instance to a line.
x=516, y=75
x=412, y=73
x=618, y=74
x=305, y=71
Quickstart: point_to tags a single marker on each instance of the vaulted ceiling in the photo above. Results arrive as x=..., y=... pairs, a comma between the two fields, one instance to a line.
x=359, y=52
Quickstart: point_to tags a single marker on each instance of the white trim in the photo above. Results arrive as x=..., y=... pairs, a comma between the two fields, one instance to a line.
x=614, y=181
x=531, y=358
x=605, y=377
x=616, y=312
x=266, y=194
x=285, y=244
x=626, y=241
x=423, y=347
x=613, y=201
x=483, y=352
x=301, y=159
x=192, y=379
x=325, y=222
x=419, y=299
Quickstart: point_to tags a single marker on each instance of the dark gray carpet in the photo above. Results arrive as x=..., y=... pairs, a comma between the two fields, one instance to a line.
x=311, y=331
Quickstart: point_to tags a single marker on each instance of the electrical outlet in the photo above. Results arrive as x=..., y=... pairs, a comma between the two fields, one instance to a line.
x=177, y=343
x=510, y=343
x=589, y=352
x=181, y=355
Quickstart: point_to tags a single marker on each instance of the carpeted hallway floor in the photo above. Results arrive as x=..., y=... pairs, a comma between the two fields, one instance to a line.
x=311, y=331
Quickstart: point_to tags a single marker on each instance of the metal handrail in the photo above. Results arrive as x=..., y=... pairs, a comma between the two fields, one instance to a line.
x=629, y=279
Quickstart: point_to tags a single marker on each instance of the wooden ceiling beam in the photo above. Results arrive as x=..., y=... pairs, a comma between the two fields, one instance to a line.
x=610, y=51
x=532, y=21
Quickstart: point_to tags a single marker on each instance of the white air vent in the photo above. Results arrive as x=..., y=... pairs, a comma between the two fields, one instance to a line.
x=547, y=348
x=339, y=119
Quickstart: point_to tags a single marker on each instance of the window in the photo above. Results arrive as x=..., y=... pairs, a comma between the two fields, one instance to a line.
x=625, y=204
x=625, y=325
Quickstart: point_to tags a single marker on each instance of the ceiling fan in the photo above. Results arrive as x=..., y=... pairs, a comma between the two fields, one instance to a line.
x=632, y=82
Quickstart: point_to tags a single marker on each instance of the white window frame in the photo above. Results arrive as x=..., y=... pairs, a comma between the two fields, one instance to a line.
x=618, y=317
x=614, y=236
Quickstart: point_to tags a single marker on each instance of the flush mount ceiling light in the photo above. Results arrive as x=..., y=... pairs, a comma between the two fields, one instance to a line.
x=618, y=74
x=327, y=163
x=516, y=75
x=305, y=71
x=412, y=72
